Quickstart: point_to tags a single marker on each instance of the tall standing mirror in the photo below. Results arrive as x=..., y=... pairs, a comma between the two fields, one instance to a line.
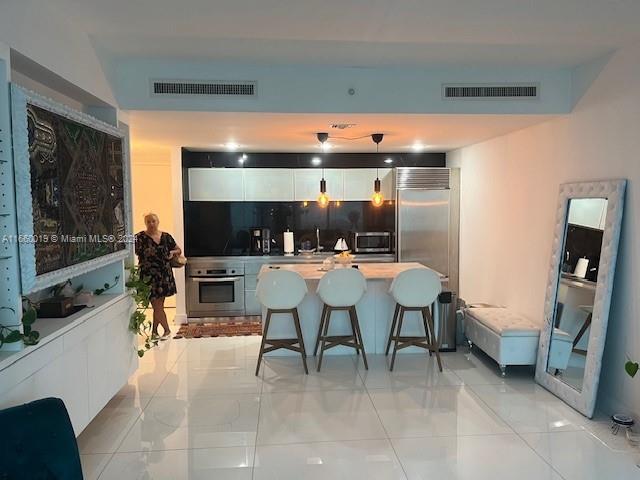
x=579, y=291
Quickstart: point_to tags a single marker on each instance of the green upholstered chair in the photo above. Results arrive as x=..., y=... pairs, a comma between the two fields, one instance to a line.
x=37, y=442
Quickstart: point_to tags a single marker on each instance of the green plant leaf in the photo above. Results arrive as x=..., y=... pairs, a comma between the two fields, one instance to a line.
x=31, y=339
x=141, y=353
x=13, y=337
x=631, y=368
x=29, y=316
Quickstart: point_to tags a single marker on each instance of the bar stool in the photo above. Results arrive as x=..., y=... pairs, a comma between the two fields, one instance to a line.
x=340, y=289
x=281, y=291
x=415, y=290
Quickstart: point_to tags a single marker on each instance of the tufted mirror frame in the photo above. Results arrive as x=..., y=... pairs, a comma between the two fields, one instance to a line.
x=613, y=190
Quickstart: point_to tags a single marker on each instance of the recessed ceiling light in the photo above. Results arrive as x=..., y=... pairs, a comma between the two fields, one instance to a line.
x=316, y=161
x=231, y=146
x=388, y=160
x=417, y=147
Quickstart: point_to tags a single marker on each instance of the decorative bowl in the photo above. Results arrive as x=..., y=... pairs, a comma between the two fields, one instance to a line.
x=344, y=259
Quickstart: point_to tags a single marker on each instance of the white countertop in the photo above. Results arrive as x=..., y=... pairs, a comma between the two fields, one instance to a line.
x=371, y=271
x=577, y=282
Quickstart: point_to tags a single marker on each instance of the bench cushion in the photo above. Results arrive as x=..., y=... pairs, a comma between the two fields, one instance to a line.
x=504, y=322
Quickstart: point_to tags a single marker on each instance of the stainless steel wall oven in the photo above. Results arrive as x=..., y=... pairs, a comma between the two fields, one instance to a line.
x=214, y=290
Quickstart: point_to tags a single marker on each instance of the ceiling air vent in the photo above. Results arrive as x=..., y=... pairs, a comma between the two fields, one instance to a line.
x=196, y=88
x=503, y=91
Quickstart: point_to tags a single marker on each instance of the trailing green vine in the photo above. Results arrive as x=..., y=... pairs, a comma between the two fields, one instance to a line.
x=140, y=291
x=106, y=286
x=29, y=336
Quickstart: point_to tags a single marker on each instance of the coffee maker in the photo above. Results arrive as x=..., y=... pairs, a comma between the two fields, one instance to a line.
x=260, y=241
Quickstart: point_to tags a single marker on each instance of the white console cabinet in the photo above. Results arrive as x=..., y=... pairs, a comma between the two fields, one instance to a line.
x=84, y=359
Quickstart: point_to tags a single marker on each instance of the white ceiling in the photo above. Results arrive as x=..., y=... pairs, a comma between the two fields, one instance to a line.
x=296, y=133
x=361, y=32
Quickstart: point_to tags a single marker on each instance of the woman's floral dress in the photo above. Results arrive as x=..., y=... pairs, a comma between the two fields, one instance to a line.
x=154, y=263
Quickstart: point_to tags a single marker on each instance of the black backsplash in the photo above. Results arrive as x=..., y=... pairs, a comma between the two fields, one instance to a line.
x=583, y=242
x=222, y=228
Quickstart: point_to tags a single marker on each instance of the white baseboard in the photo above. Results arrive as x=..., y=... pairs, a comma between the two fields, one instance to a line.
x=180, y=319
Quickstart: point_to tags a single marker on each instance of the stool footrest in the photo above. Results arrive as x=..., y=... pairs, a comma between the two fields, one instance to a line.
x=324, y=341
x=294, y=344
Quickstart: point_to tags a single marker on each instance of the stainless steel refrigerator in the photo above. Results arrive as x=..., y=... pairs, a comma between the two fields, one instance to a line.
x=427, y=225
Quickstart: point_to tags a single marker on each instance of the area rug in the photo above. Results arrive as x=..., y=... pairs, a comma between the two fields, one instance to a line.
x=220, y=329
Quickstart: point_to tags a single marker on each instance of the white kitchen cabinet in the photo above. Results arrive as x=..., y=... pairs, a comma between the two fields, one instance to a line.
x=358, y=183
x=216, y=184
x=588, y=212
x=307, y=183
x=268, y=184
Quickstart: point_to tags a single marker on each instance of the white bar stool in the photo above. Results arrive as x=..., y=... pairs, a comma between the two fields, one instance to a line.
x=340, y=289
x=281, y=291
x=416, y=289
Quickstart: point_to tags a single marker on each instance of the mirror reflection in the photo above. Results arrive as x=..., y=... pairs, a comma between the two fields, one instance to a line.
x=576, y=290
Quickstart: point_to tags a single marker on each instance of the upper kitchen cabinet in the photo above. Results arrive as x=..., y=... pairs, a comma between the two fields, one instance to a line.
x=268, y=184
x=307, y=183
x=216, y=184
x=589, y=212
x=358, y=183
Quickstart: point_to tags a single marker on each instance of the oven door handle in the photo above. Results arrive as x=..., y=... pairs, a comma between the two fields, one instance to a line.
x=215, y=280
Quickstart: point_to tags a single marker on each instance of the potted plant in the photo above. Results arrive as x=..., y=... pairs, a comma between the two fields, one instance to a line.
x=140, y=291
x=12, y=333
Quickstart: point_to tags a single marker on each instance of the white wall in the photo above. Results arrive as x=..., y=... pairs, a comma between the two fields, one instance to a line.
x=47, y=36
x=508, y=206
x=151, y=186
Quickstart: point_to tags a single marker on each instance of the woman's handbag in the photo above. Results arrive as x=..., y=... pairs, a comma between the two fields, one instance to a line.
x=178, y=261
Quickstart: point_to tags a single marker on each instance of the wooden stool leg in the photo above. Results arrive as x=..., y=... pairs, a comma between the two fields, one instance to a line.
x=434, y=340
x=427, y=332
x=264, y=340
x=327, y=320
x=353, y=331
x=353, y=314
x=393, y=326
x=324, y=312
x=397, y=336
x=303, y=352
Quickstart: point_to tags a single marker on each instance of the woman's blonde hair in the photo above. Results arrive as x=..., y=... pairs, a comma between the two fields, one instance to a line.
x=150, y=214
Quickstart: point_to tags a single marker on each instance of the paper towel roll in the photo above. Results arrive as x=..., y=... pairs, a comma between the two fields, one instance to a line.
x=581, y=267
x=288, y=242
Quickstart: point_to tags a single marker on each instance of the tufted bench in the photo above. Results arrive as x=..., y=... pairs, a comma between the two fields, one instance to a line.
x=508, y=338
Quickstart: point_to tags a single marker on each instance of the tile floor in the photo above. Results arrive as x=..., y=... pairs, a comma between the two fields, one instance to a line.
x=195, y=410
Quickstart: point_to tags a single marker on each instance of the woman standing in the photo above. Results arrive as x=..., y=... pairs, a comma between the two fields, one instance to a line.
x=155, y=249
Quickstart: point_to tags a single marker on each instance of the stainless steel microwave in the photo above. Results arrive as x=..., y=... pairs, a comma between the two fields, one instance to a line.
x=372, y=242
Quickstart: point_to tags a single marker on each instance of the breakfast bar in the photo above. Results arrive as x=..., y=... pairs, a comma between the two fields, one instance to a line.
x=375, y=309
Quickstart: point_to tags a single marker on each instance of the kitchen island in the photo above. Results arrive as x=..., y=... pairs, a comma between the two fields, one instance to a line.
x=375, y=310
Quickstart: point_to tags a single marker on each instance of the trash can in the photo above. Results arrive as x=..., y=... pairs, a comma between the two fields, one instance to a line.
x=448, y=321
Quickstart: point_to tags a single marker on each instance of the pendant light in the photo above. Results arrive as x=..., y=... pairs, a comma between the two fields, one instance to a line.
x=377, y=199
x=323, y=198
